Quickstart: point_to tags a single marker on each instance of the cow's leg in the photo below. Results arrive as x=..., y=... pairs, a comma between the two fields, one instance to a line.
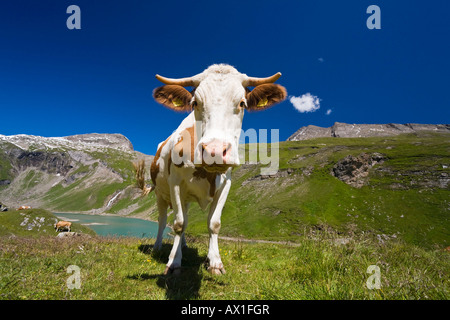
x=179, y=225
x=183, y=240
x=215, y=262
x=162, y=221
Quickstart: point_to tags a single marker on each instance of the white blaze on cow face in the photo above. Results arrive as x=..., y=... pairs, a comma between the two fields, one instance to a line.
x=218, y=104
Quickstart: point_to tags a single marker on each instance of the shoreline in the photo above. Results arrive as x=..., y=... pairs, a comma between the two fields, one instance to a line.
x=89, y=213
x=102, y=214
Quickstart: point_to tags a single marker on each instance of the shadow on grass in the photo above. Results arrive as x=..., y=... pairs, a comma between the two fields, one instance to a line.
x=178, y=287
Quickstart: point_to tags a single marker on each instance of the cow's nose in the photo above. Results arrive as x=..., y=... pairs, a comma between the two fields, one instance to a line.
x=216, y=148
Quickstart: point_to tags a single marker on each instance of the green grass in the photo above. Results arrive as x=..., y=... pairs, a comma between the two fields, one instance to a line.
x=32, y=179
x=143, y=203
x=127, y=268
x=77, y=198
x=5, y=165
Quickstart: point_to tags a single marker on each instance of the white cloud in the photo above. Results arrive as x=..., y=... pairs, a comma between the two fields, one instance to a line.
x=328, y=112
x=305, y=103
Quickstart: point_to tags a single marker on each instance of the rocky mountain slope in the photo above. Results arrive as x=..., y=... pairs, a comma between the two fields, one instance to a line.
x=344, y=130
x=89, y=172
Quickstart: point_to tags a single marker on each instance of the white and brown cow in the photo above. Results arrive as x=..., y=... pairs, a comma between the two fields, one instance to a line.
x=23, y=208
x=63, y=225
x=194, y=163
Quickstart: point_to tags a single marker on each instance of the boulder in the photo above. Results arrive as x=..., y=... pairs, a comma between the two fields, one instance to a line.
x=354, y=171
x=68, y=234
x=3, y=208
x=5, y=182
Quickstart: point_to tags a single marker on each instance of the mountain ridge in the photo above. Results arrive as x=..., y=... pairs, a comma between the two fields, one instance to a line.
x=89, y=141
x=345, y=130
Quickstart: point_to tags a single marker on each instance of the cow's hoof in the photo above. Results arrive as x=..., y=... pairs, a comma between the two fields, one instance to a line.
x=217, y=271
x=157, y=245
x=176, y=271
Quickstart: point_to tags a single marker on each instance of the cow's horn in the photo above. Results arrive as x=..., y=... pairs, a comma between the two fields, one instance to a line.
x=184, y=82
x=253, y=82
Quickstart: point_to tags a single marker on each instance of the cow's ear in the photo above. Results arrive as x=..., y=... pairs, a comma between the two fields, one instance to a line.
x=173, y=97
x=265, y=96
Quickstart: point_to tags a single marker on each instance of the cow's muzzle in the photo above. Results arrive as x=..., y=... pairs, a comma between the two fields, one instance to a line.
x=217, y=156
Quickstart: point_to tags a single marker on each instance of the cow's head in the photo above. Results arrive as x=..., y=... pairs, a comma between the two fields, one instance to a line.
x=218, y=100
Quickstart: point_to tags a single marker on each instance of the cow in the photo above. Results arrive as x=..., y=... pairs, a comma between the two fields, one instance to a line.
x=23, y=208
x=195, y=162
x=63, y=225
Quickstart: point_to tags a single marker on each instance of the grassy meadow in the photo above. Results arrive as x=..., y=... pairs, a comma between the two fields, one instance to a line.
x=320, y=267
x=321, y=234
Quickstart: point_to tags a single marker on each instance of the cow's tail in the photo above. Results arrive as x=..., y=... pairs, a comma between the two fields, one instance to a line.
x=139, y=174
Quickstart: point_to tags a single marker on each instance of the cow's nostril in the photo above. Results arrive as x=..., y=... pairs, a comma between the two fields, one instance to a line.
x=214, y=149
x=225, y=149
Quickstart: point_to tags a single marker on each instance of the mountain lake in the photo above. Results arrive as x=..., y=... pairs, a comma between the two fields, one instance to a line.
x=105, y=225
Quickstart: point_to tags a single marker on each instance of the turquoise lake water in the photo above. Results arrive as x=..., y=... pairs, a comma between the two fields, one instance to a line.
x=115, y=225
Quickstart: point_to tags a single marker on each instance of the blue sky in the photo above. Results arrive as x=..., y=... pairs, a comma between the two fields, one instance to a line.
x=57, y=82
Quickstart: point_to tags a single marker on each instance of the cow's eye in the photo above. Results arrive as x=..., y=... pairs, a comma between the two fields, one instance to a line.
x=242, y=104
x=194, y=104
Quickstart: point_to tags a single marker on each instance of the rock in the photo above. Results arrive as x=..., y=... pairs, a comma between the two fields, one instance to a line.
x=5, y=182
x=3, y=208
x=68, y=234
x=342, y=241
x=310, y=132
x=354, y=171
x=50, y=162
x=114, y=140
x=279, y=174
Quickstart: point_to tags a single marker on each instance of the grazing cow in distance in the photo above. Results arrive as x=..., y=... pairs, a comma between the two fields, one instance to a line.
x=23, y=208
x=195, y=162
x=63, y=225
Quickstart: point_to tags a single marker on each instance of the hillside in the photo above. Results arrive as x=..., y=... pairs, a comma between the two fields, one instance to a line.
x=90, y=172
x=33, y=223
x=393, y=187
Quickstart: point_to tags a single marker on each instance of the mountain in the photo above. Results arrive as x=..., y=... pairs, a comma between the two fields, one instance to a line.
x=344, y=130
x=87, y=172
x=83, y=142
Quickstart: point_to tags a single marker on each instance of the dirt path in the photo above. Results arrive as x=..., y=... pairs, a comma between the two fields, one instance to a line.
x=287, y=243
